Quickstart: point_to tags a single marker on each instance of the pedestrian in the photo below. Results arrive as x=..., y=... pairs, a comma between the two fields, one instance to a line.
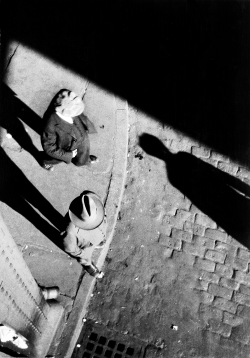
x=65, y=135
x=85, y=230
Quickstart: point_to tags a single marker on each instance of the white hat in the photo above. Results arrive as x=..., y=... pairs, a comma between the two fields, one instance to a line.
x=87, y=211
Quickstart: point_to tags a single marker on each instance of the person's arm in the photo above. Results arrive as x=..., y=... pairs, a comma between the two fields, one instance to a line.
x=49, y=144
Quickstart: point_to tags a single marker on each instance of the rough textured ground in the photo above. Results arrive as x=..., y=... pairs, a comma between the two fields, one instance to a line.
x=173, y=277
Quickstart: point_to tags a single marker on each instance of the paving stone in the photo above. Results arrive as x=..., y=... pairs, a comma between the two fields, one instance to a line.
x=243, y=172
x=228, y=168
x=232, y=319
x=216, y=235
x=200, y=152
x=194, y=249
x=240, y=264
x=209, y=276
x=215, y=256
x=244, y=255
x=242, y=298
x=205, y=221
x=170, y=242
x=223, y=270
x=219, y=327
x=168, y=253
x=205, y=265
x=220, y=291
x=229, y=283
x=194, y=228
x=225, y=248
x=243, y=311
x=177, y=202
x=181, y=235
x=200, y=284
x=225, y=305
x=204, y=297
x=242, y=277
x=203, y=241
x=244, y=289
x=219, y=157
x=241, y=333
x=207, y=312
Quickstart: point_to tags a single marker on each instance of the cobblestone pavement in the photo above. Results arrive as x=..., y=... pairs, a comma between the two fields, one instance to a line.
x=174, y=278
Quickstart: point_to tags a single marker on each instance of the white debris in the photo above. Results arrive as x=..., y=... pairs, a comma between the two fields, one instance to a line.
x=8, y=135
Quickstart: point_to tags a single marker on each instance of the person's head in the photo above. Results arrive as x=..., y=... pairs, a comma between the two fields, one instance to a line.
x=67, y=103
x=87, y=211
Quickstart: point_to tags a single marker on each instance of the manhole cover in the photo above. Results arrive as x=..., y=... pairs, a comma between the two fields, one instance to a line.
x=97, y=341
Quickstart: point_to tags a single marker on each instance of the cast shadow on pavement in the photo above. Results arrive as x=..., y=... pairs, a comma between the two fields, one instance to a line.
x=224, y=198
x=21, y=195
x=14, y=111
x=184, y=63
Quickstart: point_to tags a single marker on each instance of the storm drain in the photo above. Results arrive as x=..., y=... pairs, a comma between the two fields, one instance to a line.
x=97, y=341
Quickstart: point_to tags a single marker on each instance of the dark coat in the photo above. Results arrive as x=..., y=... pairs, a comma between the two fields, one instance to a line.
x=60, y=138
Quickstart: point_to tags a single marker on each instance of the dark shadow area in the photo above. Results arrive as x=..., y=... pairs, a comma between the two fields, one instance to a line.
x=20, y=194
x=13, y=112
x=186, y=63
x=222, y=197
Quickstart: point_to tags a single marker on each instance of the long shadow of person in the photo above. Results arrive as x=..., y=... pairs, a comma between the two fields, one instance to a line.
x=13, y=112
x=20, y=194
x=224, y=198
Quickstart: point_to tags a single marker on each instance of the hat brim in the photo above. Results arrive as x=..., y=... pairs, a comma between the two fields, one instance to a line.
x=76, y=207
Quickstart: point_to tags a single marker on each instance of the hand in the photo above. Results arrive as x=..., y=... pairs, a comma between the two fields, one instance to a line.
x=74, y=153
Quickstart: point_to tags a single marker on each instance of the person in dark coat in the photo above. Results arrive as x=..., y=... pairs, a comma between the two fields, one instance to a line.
x=65, y=135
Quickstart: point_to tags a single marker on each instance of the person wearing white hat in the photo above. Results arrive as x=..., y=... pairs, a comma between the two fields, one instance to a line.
x=65, y=136
x=86, y=229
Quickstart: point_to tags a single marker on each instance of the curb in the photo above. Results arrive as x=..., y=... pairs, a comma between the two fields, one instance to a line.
x=75, y=323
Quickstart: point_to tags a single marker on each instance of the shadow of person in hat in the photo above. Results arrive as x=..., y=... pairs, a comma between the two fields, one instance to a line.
x=85, y=230
x=21, y=195
x=13, y=113
x=224, y=198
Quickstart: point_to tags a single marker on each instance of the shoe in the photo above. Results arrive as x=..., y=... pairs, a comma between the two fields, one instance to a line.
x=93, y=270
x=48, y=167
x=100, y=246
x=93, y=159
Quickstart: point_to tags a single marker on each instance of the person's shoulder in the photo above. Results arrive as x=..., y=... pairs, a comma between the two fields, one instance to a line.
x=52, y=119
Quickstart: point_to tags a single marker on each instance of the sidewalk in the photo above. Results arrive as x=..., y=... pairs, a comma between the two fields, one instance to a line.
x=32, y=81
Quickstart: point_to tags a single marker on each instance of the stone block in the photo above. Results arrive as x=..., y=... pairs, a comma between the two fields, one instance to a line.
x=200, y=152
x=194, y=249
x=207, y=312
x=242, y=298
x=203, y=241
x=229, y=283
x=223, y=270
x=181, y=235
x=241, y=333
x=204, y=296
x=244, y=255
x=240, y=264
x=220, y=291
x=244, y=289
x=243, y=311
x=209, y=276
x=194, y=228
x=232, y=319
x=228, y=168
x=219, y=327
x=205, y=221
x=225, y=248
x=205, y=265
x=225, y=305
x=170, y=242
x=216, y=235
x=215, y=256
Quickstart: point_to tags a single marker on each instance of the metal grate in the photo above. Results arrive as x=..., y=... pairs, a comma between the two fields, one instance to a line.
x=99, y=342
